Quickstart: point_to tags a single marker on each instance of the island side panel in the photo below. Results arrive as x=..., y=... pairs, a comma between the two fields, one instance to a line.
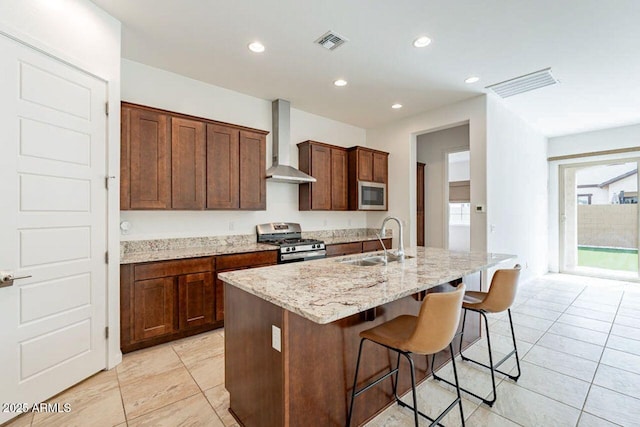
x=310, y=382
x=321, y=363
x=253, y=368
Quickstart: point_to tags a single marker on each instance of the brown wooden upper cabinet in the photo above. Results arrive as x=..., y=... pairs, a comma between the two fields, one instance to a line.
x=339, y=180
x=145, y=160
x=328, y=165
x=223, y=167
x=368, y=165
x=188, y=160
x=175, y=161
x=253, y=184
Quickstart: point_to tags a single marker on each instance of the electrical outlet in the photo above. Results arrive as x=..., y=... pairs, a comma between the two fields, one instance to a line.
x=276, y=338
x=232, y=225
x=349, y=221
x=325, y=222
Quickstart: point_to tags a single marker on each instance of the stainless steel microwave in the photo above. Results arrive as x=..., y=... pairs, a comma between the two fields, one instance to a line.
x=372, y=196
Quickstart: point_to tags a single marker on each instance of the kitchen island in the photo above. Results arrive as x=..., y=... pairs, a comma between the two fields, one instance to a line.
x=291, y=332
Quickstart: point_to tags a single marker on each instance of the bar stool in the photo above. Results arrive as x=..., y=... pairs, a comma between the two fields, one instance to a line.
x=499, y=298
x=428, y=333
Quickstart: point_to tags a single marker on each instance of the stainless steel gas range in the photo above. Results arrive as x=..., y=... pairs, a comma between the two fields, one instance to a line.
x=288, y=236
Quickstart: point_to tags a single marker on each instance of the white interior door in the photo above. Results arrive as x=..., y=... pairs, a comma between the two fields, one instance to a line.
x=52, y=225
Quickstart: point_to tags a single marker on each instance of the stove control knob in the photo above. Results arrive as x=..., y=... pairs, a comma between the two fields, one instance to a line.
x=287, y=249
x=293, y=249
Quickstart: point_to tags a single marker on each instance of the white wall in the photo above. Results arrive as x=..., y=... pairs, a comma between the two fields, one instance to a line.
x=78, y=32
x=601, y=140
x=400, y=139
x=432, y=149
x=516, y=188
x=146, y=85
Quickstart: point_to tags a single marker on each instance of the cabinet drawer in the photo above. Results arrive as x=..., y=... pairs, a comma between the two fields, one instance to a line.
x=172, y=268
x=252, y=259
x=344, y=249
x=374, y=245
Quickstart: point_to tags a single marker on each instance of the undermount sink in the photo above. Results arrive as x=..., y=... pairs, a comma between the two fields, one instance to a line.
x=373, y=260
x=367, y=261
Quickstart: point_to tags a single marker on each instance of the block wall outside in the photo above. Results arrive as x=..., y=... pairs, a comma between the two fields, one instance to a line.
x=608, y=225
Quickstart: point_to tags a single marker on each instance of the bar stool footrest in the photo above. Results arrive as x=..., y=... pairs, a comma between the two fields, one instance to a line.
x=485, y=401
x=495, y=367
x=375, y=382
x=434, y=422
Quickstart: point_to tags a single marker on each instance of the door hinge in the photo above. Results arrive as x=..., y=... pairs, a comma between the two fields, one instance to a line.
x=106, y=257
x=106, y=332
x=106, y=108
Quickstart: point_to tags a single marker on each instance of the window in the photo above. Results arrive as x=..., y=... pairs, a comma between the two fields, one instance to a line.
x=584, y=199
x=459, y=213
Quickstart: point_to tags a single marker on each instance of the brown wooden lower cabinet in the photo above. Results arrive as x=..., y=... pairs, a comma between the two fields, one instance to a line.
x=196, y=300
x=375, y=245
x=239, y=262
x=153, y=302
x=343, y=249
x=165, y=300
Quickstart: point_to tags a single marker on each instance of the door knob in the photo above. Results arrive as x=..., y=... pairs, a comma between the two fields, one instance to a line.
x=7, y=278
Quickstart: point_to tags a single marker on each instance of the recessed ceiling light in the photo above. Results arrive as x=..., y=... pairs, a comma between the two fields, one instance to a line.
x=396, y=106
x=471, y=79
x=422, y=41
x=340, y=82
x=256, y=47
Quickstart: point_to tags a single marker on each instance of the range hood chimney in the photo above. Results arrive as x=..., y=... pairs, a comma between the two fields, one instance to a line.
x=280, y=171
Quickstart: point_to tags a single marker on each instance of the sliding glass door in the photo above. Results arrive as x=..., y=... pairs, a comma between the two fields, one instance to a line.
x=599, y=218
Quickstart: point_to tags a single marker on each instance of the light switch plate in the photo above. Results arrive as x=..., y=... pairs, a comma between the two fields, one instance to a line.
x=276, y=338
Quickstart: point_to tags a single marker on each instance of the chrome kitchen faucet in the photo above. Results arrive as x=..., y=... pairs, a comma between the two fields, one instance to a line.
x=400, y=252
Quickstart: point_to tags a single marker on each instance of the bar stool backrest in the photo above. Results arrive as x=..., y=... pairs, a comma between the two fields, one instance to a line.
x=502, y=292
x=437, y=322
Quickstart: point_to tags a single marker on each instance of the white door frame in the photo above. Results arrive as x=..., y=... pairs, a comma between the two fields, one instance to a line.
x=112, y=297
x=587, y=162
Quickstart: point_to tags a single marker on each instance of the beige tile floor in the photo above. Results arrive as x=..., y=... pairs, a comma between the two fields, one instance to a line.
x=578, y=339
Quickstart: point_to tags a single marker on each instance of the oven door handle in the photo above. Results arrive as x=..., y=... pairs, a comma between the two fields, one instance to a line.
x=298, y=255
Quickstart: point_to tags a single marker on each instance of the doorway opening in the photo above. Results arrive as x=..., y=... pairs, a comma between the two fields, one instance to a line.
x=599, y=219
x=434, y=149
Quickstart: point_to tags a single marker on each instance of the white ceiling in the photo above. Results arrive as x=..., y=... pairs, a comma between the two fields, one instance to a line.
x=592, y=46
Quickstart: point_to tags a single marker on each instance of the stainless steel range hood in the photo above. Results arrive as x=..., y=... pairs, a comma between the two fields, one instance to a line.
x=280, y=171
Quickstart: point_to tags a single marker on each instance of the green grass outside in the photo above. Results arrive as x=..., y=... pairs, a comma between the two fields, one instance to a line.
x=608, y=258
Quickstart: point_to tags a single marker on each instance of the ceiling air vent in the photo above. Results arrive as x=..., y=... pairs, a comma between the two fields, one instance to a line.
x=331, y=40
x=525, y=83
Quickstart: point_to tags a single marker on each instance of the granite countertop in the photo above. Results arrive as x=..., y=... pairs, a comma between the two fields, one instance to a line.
x=193, y=252
x=326, y=290
x=134, y=251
